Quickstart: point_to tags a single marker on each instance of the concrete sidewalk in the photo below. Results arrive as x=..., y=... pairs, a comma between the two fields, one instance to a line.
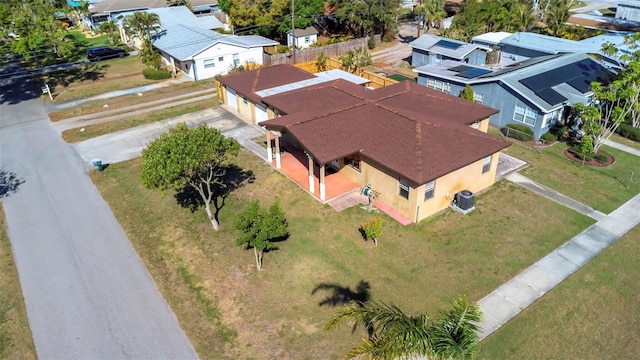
x=508, y=300
x=622, y=147
x=549, y=193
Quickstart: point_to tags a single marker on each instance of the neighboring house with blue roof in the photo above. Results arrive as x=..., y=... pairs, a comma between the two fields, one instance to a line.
x=536, y=92
x=525, y=45
x=203, y=54
x=430, y=49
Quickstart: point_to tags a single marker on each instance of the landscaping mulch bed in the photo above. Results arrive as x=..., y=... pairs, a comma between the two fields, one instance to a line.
x=593, y=162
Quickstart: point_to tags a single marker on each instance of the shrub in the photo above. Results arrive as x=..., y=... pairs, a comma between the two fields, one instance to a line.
x=576, y=151
x=628, y=131
x=601, y=158
x=372, y=229
x=154, y=74
x=549, y=137
x=522, y=132
x=559, y=130
x=371, y=43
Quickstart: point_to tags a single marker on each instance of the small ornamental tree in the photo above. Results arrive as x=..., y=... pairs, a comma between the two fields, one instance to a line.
x=261, y=228
x=188, y=157
x=467, y=93
x=372, y=229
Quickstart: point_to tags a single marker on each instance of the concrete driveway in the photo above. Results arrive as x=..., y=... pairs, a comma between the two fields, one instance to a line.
x=128, y=144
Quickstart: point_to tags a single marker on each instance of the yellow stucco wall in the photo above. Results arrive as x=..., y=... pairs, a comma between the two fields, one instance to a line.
x=245, y=108
x=416, y=208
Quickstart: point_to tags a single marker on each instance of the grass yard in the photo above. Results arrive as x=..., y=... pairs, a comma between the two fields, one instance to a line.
x=602, y=188
x=229, y=310
x=15, y=337
x=96, y=78
x=166, y=92
x=594, y=314
x=91, y=131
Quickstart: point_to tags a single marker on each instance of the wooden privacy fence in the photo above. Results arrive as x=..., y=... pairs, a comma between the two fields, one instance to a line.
x=311, y=54
x=376, y=81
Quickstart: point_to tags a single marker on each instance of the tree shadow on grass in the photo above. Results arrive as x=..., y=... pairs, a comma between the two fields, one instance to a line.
x=9, y=183
x=234, y=177
x=341, y=295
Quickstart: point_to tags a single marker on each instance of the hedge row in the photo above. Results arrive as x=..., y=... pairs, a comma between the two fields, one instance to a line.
x=628, y=131
x=155, y=74
x=522, y=132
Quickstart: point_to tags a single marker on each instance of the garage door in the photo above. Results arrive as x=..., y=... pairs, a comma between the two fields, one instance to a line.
x=231, y=98
x=261, y=114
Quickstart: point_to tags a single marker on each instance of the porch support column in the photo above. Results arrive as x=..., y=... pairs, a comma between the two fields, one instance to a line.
x=269, y=149
x=278, y=164
x=312, y=180
x=322, y=188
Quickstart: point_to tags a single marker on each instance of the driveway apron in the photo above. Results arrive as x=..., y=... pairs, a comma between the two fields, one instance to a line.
x=87, y=293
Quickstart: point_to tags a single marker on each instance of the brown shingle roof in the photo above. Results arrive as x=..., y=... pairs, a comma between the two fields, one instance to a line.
x=248, y=82
x=416, y=132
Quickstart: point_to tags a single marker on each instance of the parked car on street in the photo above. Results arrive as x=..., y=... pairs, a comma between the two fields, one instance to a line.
x=105, y=52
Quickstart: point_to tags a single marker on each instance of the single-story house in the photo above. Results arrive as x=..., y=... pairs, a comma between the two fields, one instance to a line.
x=628, y=10
x=168, y=17
x=203, y=54
x=430, y=49
x=245, y=91
x=536, y=92
x=302, y=38
x=414, y=146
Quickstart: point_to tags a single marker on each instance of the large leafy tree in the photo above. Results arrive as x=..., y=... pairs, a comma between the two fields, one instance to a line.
x=261, y=229
x=393, y=334
x=30, y=29
x=193, y=158
x=478, y=17
x=362, y=17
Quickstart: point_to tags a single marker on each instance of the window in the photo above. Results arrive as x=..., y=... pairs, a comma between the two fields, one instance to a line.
x=552, y=118
x=236, y=59
x=524, y=115
x=439, y=85
x=209, y=63
x=307, y=39
x=221, y=58
x=404, y=188
x=353, y=161
x=429, y=190
x=486, y=164
x=477, y=97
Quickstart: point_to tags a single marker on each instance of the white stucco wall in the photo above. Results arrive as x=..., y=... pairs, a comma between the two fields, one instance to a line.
x=222, y=59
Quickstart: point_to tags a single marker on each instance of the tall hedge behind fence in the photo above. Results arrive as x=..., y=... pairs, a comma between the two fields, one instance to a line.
x=311, y=54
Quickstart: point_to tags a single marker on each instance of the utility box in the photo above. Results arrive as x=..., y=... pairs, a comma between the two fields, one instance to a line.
x=465, y=199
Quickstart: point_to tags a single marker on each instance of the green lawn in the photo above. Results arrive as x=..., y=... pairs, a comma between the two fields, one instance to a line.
x=229, y=310
x=602, y=188
x=593, y=314
x=15, y=337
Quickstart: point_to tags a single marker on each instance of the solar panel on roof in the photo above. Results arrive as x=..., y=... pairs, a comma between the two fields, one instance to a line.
x=581, y=85
x=448, y=44
x=551, y=96
x=460, y=68
x=473, y=73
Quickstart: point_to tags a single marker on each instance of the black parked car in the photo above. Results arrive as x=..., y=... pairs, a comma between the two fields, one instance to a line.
x=105, y=52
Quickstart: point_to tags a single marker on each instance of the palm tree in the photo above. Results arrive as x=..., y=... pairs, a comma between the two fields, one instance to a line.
x=141, y=24
x=434, y=13
x=556, y=14
x=394, y=334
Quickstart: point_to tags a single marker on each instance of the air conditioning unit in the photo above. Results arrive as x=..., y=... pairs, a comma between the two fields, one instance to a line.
x=465, y=199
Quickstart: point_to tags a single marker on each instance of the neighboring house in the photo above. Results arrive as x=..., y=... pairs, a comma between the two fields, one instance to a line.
x=536, y=92
x=414, y=146
x=490, y=39
x=169, y=16
x=430, y=49
x=628, y=10
x=203, y=54
x=107, y=10
x=245, y=91
x=302, y=38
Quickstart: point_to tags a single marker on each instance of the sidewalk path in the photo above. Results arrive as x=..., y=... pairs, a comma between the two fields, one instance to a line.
x=554, y=195
x=622, y=147
x=91, y=119
x=508, y=300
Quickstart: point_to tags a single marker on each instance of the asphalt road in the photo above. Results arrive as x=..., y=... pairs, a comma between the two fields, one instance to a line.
x=87, y=293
